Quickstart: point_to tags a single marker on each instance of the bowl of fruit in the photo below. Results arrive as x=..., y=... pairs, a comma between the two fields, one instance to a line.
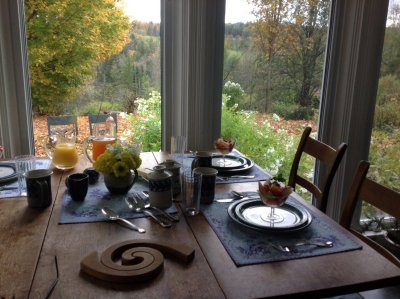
x=224, y=146
x=274, y=192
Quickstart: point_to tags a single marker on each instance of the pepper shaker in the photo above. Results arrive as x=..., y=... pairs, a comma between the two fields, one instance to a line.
x=160, y=187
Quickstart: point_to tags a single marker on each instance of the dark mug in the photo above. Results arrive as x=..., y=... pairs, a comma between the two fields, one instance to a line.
x=202, y=159
x=93, y=175
x=208, y=178
x=38, y=187
x=78, y=184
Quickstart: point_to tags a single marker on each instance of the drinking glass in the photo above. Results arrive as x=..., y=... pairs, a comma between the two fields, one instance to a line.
x=224, y=146
x=178, y=147
x=23, y=164
x=191, y=192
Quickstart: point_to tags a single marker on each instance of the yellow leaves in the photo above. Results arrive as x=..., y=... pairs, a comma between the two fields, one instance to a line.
x=66, y=38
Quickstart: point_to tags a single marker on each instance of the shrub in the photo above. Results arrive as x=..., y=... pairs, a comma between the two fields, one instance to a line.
x=145, y=124
x=387, y=115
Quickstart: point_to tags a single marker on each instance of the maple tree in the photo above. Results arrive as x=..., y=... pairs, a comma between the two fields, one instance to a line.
x=66, y=39
x=290, y=35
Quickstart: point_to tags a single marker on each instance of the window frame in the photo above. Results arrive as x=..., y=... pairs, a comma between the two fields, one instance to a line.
x=192, y=45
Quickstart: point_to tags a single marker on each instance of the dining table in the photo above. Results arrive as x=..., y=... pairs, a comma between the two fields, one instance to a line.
x=41, y=257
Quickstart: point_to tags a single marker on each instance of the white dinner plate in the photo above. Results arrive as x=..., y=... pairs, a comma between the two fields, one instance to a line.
x=248, y=213
x=7, y=172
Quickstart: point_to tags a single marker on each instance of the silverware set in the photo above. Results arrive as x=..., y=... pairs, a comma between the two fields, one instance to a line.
x=141, y=204
x=135, y=202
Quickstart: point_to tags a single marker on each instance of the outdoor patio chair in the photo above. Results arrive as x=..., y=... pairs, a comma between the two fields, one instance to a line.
x=60, y=124
x=328, y=156
x=385, y=199
x=101, y=118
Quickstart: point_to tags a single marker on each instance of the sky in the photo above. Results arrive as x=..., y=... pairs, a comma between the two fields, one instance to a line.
x=149, y=11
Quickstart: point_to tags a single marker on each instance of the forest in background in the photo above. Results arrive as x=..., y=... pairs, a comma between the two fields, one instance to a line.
x=87, y=57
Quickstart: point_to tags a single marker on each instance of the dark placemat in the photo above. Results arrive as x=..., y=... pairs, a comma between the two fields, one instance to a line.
x=98, y=197
x=247, y=246
x=226, y=178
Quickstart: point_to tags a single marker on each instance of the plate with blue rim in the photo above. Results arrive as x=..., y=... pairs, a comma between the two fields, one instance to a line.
x=240, y=164
x=7, y=172
x=247, y=212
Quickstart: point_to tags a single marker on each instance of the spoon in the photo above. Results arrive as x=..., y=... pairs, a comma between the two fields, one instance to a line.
x=147, y=205
x=135, y=203
x=112, y=215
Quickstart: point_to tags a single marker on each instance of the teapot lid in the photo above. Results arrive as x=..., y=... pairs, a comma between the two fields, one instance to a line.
x=169, y=163
x=159, y=173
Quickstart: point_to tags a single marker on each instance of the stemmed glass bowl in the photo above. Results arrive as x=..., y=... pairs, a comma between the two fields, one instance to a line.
x=273, y=195
x=224, y=146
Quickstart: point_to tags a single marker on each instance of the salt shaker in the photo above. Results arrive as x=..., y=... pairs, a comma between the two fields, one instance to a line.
x=174, y=168
x=160, y=187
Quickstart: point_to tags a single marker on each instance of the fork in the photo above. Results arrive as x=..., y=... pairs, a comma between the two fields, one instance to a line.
x=147, y=205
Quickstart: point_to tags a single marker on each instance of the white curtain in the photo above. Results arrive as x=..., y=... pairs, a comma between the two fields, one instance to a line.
x=16, y=130
x=192, y=65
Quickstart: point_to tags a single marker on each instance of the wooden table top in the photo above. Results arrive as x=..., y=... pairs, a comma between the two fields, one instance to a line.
x=30, y=239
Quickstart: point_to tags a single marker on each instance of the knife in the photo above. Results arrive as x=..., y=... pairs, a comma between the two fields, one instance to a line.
x=236, y=198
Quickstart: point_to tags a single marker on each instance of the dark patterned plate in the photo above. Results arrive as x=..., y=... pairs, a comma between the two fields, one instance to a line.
x=249, y=164
x=231, y=162
x=249, y=213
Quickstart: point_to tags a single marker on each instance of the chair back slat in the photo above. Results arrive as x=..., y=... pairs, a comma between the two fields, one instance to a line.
x=309, y=186
x=101, y=118
x=327, y=155
x=387, y=200
x=381, y=197
x=64, y=120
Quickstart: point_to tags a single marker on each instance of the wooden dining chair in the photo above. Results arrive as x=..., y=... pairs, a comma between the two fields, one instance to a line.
x=383, y=198
x=101, y=118
x=324, y=153
x=59, y=124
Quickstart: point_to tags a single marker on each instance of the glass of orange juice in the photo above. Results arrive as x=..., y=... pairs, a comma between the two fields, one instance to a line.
x=61, y=149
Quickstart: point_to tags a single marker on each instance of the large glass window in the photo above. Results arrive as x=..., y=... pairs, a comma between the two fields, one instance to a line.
x=385, y=140
x=90, y=57
x=273, y=67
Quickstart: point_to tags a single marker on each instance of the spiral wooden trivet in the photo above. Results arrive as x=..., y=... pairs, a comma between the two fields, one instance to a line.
x=134, y=260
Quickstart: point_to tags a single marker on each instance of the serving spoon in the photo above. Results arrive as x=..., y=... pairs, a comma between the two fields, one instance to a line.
x=112, y=215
